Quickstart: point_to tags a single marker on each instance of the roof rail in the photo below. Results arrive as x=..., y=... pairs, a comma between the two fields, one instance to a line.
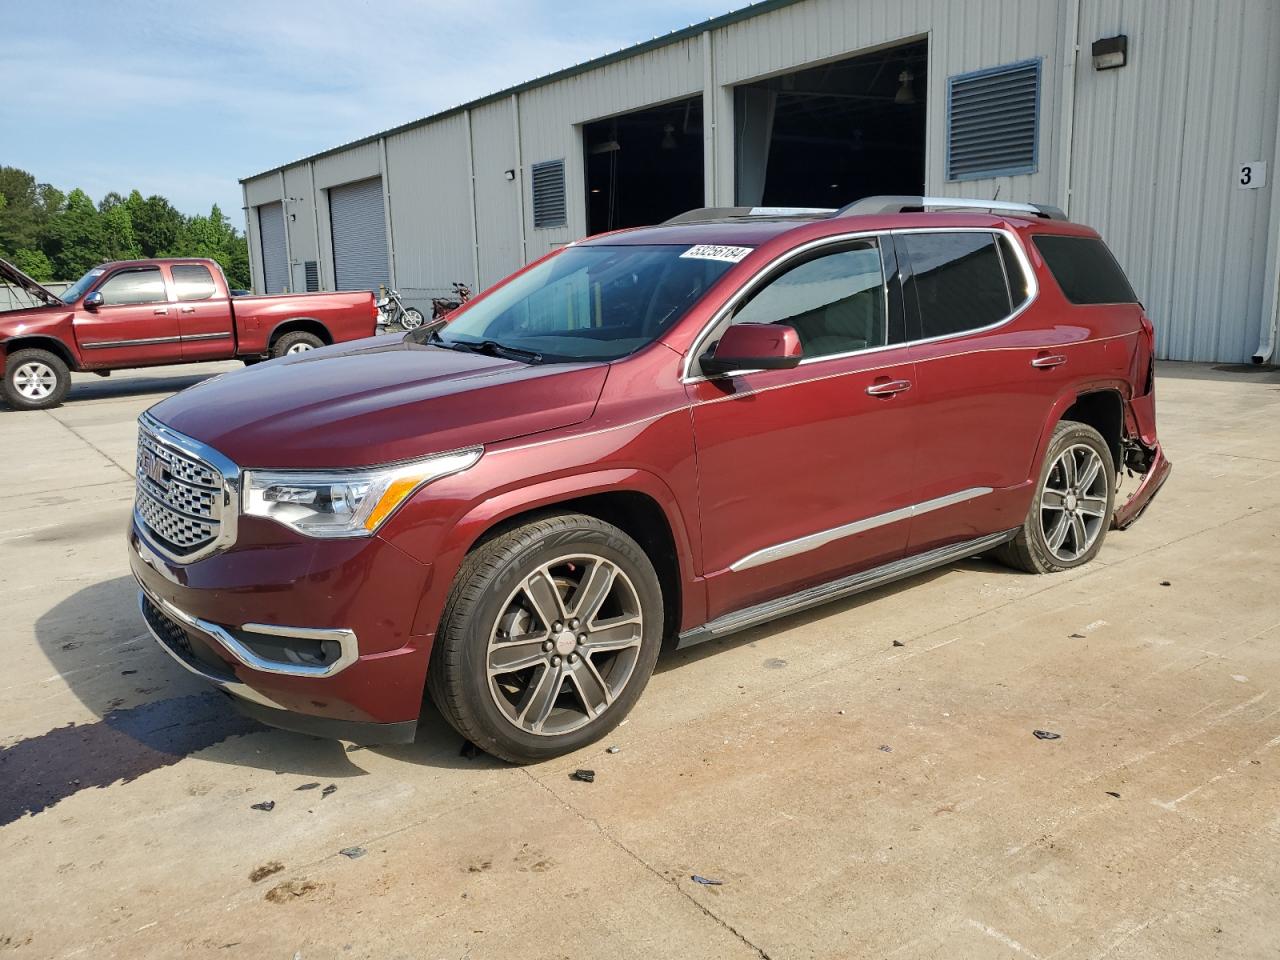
x=874, y=205
x=720, y=213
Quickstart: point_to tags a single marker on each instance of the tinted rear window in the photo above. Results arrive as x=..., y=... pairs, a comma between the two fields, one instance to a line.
x=1085, y=269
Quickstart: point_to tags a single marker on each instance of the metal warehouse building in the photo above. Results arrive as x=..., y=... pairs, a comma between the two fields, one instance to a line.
x=1156, y=121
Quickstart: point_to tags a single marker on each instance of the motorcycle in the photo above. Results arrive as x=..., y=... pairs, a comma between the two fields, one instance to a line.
x=441, y=307
x=391, y=309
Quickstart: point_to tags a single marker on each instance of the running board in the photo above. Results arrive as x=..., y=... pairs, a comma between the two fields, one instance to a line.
x=844, y=587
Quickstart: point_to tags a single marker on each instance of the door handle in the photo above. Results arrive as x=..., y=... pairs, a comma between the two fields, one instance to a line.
x=161, y=311
x=187, y=309
x=1049, y=360
x=888, y=388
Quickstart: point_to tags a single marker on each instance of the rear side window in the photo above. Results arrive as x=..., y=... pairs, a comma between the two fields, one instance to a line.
x=1085, y=269
x=133, y=286
x=193, y=281
x=959, y=281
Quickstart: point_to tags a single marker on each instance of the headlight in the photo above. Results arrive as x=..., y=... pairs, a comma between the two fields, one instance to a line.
x=343, y=503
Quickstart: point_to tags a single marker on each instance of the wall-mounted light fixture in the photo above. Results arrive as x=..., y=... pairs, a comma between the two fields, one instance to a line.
x=906, y=92
x=509, y=174
x=1110, y=52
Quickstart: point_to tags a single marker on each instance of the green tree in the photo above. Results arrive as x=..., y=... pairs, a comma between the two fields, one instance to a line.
x=76, y=239
x=34, y=264
x=156, y=224
x=20, y=218
x=118, y=242
x=215, y=238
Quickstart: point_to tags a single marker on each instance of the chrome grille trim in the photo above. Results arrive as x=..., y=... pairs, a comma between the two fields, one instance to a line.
x=190, y=511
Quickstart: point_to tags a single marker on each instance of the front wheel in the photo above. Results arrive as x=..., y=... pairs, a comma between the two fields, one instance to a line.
x=548, y=638
x=35, y=380
x=411, y=319
x=1071, y=509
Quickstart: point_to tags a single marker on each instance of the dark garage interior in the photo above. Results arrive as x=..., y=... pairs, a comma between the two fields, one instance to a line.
x=644, y=167
x=827, y=135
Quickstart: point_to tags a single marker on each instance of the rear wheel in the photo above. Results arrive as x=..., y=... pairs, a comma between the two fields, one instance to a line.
x=1071, y=510
x=548, y=638
x=298, y=341
x=35, y=380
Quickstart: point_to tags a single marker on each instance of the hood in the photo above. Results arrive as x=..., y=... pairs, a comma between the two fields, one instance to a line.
x=11, y=274
x=374, y=401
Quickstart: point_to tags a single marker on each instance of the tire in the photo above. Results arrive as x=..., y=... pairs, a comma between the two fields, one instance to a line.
x=297, y=341
x=411, y=319
x=492, y=616
x=1071, y=509
x=35, y=380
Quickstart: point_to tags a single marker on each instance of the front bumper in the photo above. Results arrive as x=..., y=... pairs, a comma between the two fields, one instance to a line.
x=359, y=599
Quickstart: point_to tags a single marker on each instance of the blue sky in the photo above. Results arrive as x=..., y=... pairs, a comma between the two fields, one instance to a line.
x=183, y=99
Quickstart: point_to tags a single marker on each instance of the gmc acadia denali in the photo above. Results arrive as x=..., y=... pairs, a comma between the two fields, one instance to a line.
x=673, y=432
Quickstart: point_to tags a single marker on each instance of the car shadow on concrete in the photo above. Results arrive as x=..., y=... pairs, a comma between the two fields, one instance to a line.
x=151, y=713
x=119, y=388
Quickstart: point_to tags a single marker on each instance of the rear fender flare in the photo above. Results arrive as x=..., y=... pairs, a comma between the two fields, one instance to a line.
x=1062, y=404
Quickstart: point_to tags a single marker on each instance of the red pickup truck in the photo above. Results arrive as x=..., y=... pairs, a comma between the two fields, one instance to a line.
x=144, y=313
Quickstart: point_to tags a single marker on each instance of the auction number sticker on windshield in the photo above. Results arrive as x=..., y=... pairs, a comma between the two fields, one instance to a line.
x=715, y=251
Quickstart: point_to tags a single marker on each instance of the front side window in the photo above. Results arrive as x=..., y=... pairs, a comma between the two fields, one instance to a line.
x=959, y=281
x=588, y=303
x=835, y=301
x=133, y=286
x=192, y=281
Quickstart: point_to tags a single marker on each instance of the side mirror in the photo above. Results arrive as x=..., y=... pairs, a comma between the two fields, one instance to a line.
x=93, y=301
x=753, y=346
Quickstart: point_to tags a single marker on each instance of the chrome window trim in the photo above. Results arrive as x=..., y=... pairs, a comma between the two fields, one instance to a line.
x=1024, y=264
x=229, y=511
x=346, y=639
x=813, y=541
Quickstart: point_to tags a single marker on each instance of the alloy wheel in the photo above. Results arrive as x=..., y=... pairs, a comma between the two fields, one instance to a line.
x=1073, y=503
x=564, y=644
x=300, y=347
x=35, y=380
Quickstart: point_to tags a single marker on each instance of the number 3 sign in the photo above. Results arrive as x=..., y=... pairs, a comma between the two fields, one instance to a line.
x=1252, y=175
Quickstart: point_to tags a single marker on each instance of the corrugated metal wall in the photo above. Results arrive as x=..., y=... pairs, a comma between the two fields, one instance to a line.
x=1153, y=144
x=1155, y=150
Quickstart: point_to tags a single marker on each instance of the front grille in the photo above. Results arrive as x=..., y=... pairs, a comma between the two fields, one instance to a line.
x=179, y=496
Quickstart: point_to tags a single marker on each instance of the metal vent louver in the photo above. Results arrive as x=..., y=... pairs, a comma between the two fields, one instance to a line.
x=312, y=271
x=992, y=121
x=549, y=194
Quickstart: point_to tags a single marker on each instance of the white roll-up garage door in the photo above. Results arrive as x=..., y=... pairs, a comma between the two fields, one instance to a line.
x=359, y=235
x=275, y=253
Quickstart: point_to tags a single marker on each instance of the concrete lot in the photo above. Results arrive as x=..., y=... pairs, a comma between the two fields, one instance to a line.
x=856, y=798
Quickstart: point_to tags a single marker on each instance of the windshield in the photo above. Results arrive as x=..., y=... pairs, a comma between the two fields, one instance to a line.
x=77, y=289
x=591, y=303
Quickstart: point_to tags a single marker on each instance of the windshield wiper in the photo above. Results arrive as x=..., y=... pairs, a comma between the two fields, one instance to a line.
x=494, y=349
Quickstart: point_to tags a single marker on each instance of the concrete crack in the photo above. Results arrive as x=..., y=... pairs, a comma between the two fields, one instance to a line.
x=673, y=883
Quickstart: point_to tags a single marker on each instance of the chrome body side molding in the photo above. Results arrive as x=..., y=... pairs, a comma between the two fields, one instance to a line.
x=820, y=539
x=844, y=587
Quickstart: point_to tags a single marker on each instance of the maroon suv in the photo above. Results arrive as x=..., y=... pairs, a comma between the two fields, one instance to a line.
x=670, y=432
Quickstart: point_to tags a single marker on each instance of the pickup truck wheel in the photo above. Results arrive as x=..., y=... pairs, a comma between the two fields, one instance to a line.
x=35, y=380
x=298, y=341
x=548, y=638
x=1071, y=510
